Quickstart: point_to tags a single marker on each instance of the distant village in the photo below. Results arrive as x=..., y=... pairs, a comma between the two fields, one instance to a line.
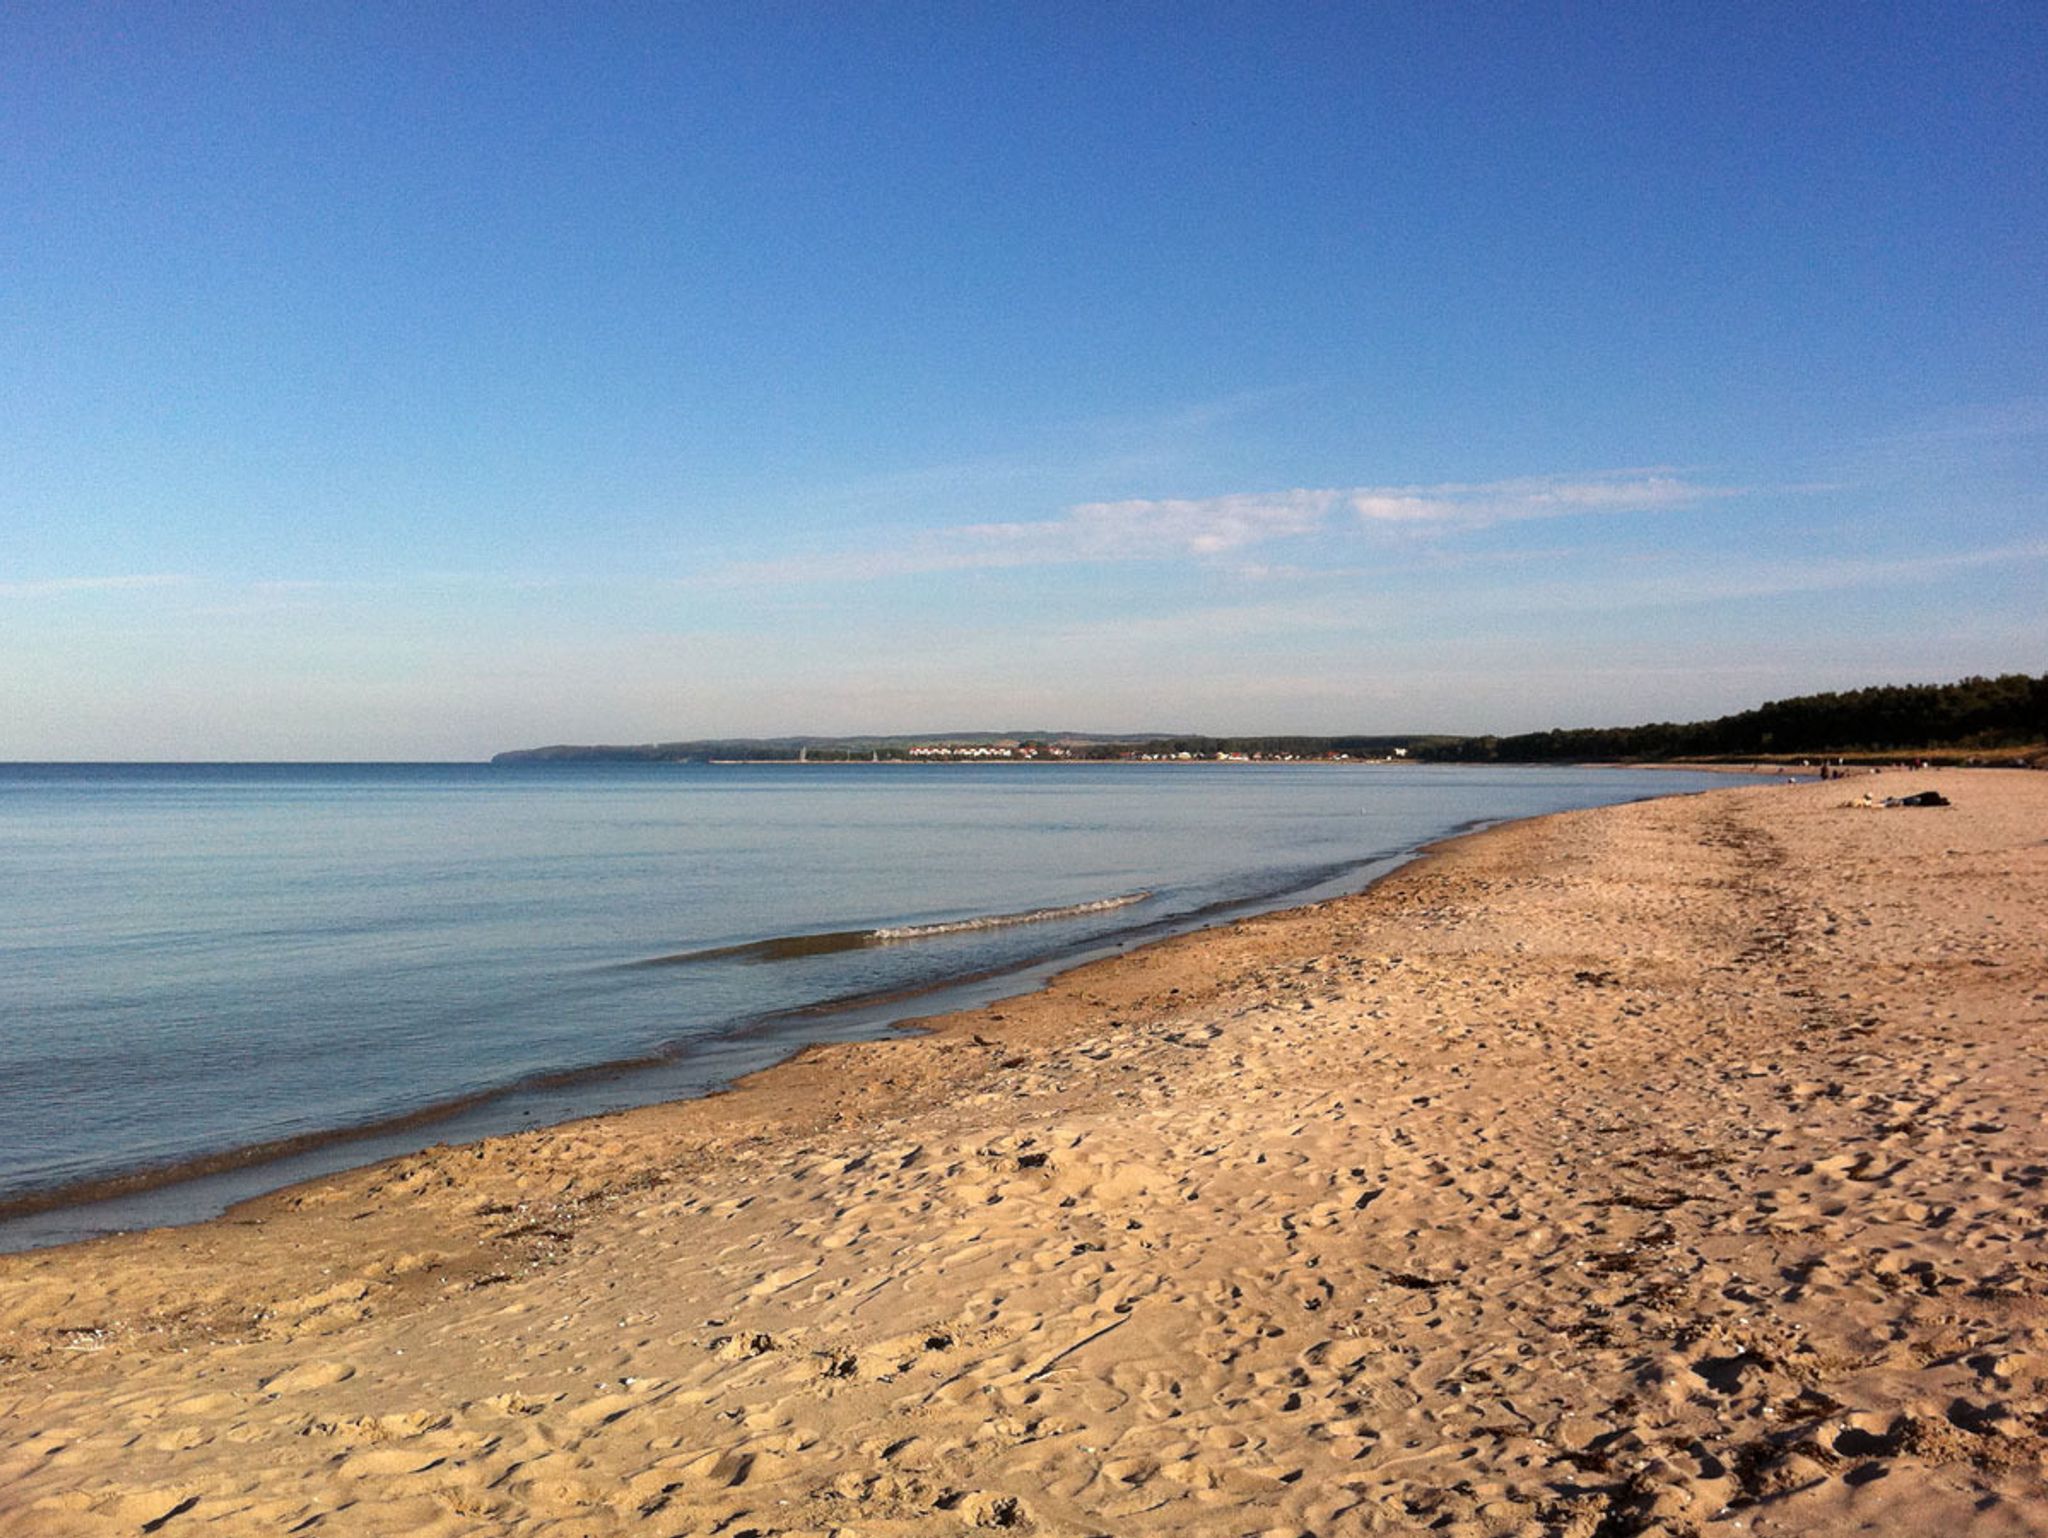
x=956, y=752
x=974, y=748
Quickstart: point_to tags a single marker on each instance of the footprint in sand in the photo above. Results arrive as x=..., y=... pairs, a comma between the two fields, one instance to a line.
x=780, y=1281
x=603, y=1411
x=309, y=1375
x=150, y=1510
x=732, y=1468
x=205, y=1404
x=386, y=1461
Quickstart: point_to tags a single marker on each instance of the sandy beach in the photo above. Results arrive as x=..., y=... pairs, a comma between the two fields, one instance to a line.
x=1672, y=1168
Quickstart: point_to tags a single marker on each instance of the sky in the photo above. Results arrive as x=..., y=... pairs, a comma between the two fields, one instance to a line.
x=413, y=382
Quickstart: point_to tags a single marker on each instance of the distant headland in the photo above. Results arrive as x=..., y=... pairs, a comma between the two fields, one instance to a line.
x=1976, y=719
x=981, y=747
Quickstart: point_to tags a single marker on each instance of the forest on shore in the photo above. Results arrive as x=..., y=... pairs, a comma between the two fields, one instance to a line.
x=2006, y=712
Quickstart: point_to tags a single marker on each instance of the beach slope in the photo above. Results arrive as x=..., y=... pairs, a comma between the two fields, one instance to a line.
x=1671, y=1168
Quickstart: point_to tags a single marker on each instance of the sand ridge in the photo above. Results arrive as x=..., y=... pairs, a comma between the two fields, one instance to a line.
x=1667, y=1168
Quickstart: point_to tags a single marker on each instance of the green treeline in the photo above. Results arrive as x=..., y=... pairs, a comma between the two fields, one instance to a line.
x=2008, y=711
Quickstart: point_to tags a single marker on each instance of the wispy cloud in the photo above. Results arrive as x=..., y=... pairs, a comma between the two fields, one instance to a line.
x=57, y=587
x=1733, y=578
x=1476, y=506
x=1145, y=529
x=1782, y=578
x=1092, y=531
x=1170, y=528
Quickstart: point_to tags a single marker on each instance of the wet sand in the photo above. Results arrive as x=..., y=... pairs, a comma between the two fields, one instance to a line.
x=1676, y=1167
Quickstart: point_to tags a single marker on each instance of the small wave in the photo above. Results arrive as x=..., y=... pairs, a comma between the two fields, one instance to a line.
x=1004, y=920
x=792, y=947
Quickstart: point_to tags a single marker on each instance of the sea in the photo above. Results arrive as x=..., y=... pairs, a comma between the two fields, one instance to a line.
x=218, y=979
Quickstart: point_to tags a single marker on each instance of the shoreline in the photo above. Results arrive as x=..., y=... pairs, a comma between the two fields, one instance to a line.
x=1662, y=1167
x=210, y=1185
x=1032, y=980
x=282, y=1164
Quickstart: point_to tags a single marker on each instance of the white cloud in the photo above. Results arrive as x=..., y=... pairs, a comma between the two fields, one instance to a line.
x=1170, y=528
x=1475, y=506
x=1092, y=531
x=1138, y=530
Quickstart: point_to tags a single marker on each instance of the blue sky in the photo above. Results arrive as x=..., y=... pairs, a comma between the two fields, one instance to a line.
x=417, y=381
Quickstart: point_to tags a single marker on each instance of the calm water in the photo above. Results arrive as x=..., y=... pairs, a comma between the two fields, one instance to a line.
x=198, y=959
